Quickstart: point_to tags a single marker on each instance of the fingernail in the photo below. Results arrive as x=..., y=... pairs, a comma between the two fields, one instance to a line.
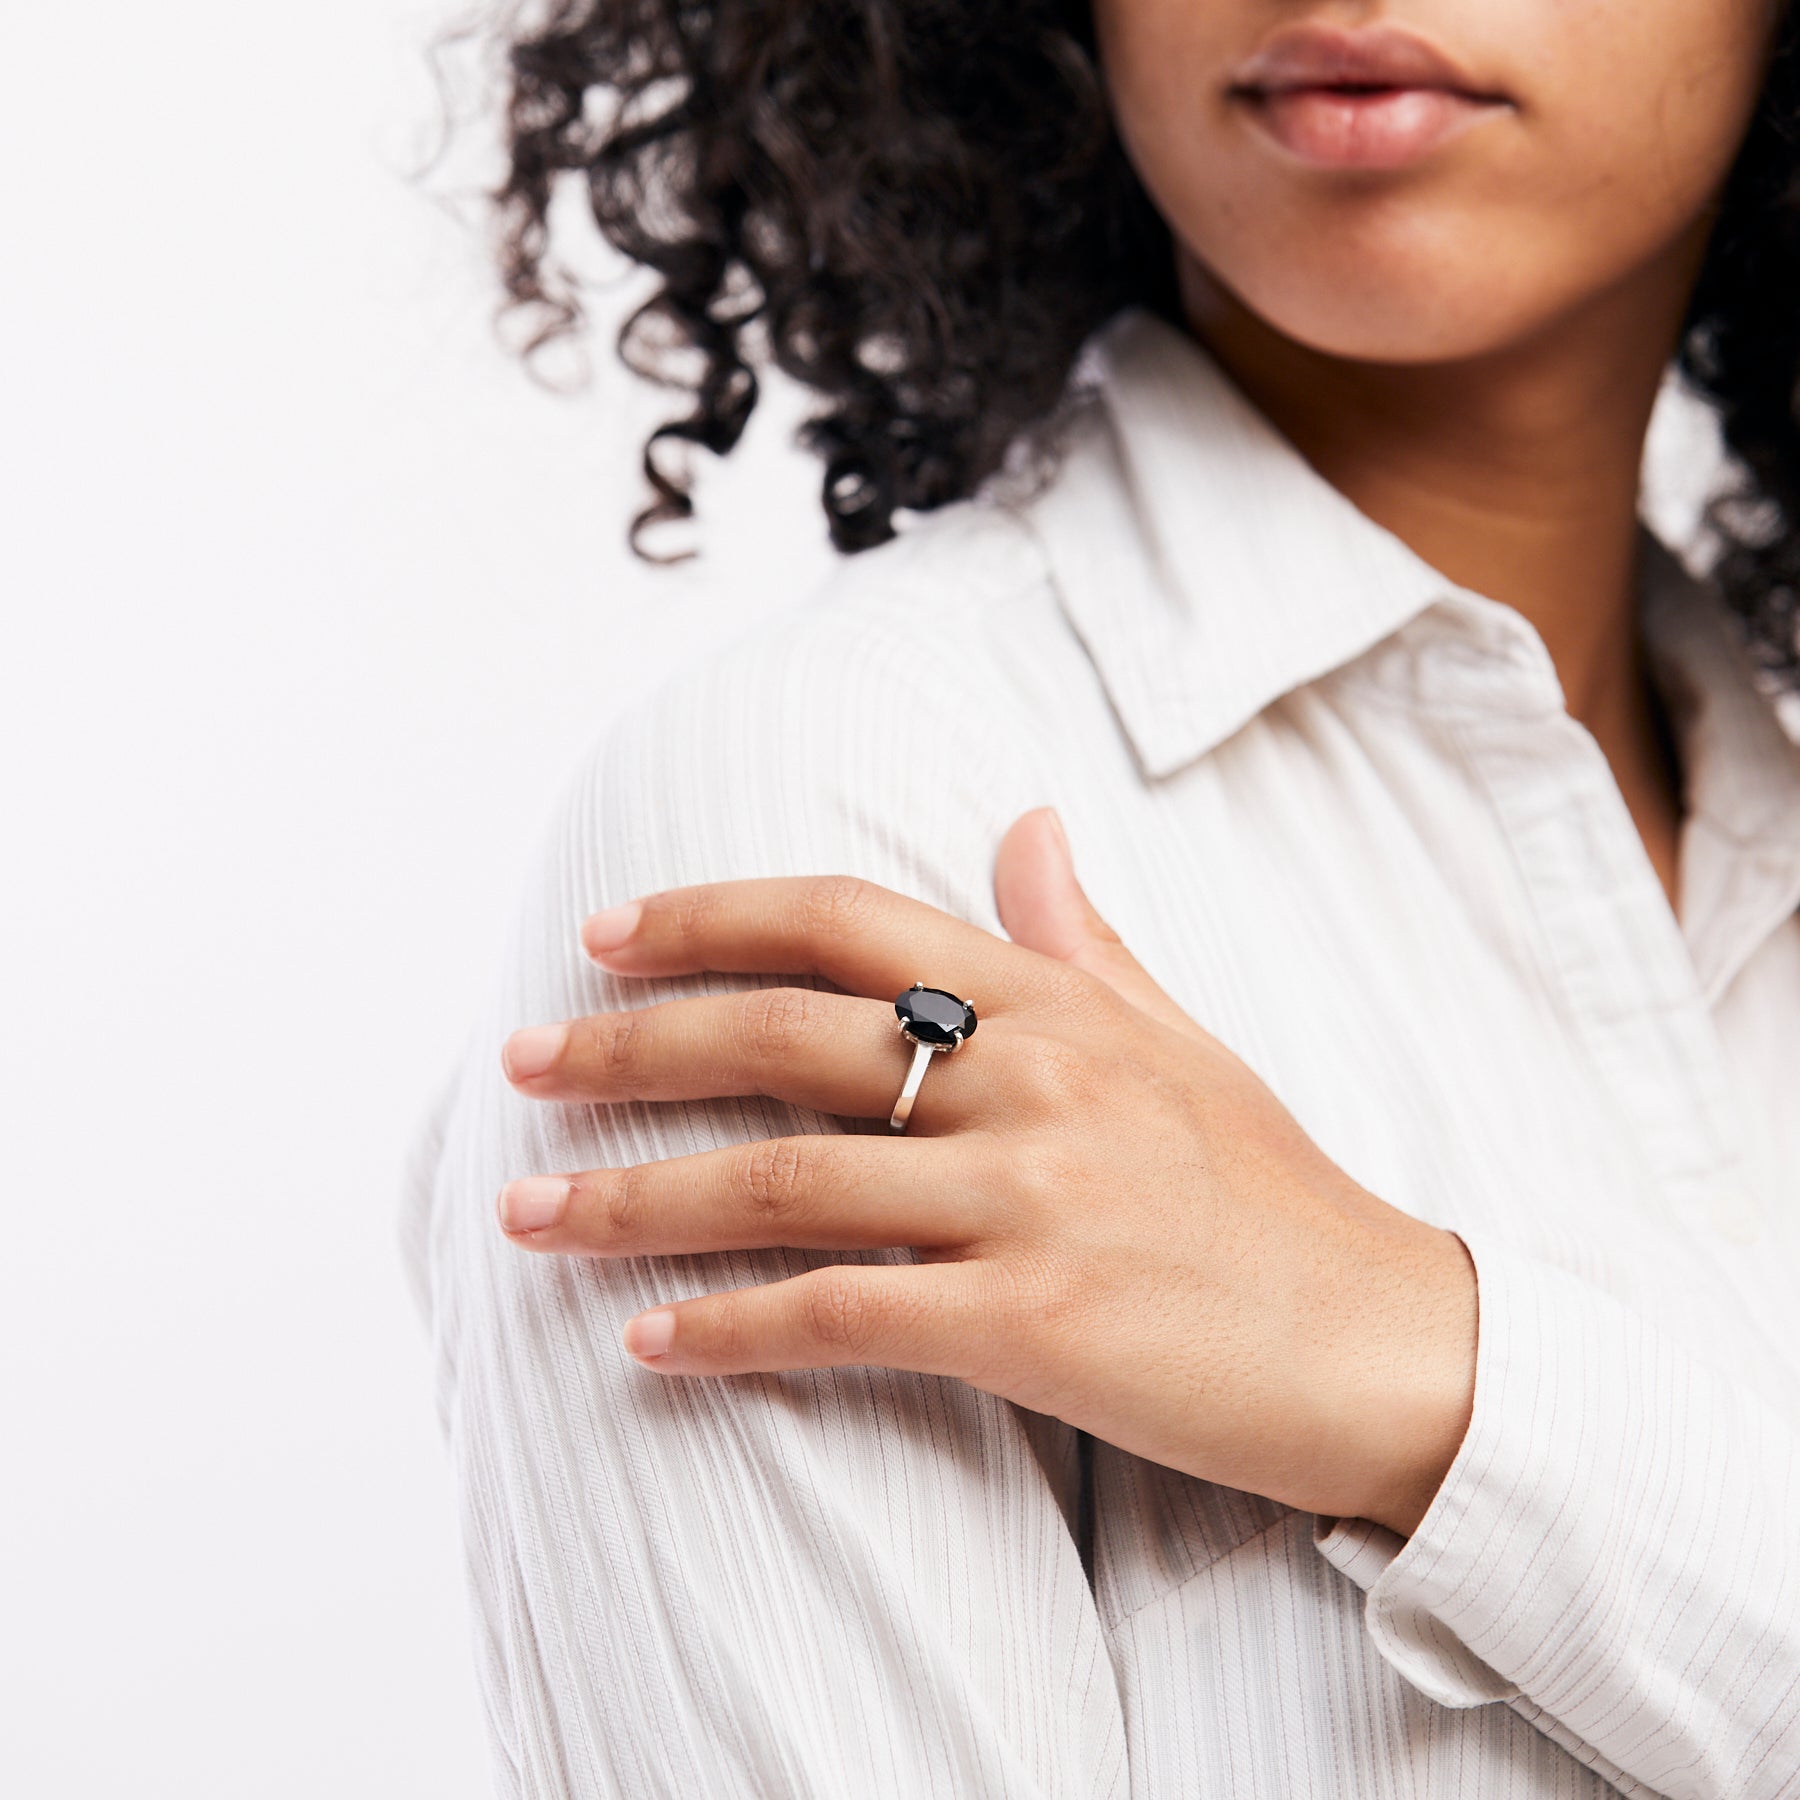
x=608, y=930
x=534, y=1203
x=1062, y=837
x=531, y=1051
x=650, y=1334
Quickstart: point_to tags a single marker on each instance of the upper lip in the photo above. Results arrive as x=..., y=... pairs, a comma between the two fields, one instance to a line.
x=1303, y=55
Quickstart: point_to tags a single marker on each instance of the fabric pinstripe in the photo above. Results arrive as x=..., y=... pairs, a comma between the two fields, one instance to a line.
x=1336, y=806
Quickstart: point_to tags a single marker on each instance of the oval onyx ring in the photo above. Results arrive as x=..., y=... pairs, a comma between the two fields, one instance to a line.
x=934, y=1020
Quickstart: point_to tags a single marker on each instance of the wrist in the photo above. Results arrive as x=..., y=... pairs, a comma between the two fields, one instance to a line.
x=1404, y=1389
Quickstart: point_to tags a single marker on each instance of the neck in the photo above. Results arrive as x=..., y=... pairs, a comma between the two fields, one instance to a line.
x=1515, y=472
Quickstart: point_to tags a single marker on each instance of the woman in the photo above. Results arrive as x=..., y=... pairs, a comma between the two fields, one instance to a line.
x=1328, y=1326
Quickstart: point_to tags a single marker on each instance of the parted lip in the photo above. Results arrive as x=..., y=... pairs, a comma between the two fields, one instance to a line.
x=1382, y=56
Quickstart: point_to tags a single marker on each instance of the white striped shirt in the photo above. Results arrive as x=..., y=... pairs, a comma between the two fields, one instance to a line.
x=1336, y=806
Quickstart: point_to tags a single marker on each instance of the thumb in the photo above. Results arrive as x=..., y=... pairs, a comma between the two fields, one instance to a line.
x=1044, y=908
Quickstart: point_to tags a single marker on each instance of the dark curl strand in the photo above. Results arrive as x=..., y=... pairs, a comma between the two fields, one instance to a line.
x=919, y=210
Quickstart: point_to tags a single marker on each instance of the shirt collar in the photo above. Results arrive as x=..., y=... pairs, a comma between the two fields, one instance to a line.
x=1208, y=568
x=1205, y=564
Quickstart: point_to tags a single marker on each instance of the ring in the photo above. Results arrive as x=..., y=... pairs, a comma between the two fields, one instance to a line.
x=935, y=1021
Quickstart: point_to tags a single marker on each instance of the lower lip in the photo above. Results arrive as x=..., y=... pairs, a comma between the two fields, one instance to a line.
x=1385, y=128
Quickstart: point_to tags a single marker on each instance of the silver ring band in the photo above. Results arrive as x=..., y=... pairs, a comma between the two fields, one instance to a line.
x=922, y=1055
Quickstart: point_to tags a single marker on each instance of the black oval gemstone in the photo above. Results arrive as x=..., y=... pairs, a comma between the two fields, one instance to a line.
x=934, y=1016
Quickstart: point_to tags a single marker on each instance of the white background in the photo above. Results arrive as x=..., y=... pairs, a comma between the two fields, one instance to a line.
x=311, y=598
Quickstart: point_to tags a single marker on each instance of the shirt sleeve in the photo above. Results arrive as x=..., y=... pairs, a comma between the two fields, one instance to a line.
x=807, y=1584
x=1613, y=1552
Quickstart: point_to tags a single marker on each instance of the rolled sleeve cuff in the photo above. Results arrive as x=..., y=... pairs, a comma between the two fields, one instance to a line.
x=1612, y=1548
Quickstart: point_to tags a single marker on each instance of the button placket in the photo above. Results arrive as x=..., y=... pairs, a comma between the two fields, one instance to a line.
x=1625, y=977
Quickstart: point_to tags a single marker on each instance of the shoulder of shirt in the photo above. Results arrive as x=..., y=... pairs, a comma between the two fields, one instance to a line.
x=871, y=728
x=919, y=623
x=971, y=552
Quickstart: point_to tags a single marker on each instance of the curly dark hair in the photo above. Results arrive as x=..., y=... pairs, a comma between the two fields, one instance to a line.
x=920, y=211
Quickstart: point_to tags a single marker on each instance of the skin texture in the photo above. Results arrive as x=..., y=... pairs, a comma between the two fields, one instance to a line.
x=1469, y=347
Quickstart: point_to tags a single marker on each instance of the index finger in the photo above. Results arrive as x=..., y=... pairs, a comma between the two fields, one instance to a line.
x=865, y=938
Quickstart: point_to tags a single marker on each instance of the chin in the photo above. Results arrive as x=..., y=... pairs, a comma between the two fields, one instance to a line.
x=1391, y=326
x=1388, y=305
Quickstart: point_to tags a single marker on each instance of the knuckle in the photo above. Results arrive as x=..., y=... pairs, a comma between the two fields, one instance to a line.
x=1060, y=1074
x=1099, y=929
x=774, y=1179
x=1046, y=1286
x=690, y=913
x=777, y=1020
x=623, y=1203
x=838, y=906
x=1042, y=1172
x=615, y=1043
x=1076, y=995
x=840, y=1313
x=1048, y=1300
x=721, y=1334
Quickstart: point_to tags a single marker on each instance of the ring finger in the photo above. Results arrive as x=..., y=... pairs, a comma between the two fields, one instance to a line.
x=834, y=1053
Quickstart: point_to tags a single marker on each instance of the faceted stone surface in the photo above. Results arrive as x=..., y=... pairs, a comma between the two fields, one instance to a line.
x=934, y=1016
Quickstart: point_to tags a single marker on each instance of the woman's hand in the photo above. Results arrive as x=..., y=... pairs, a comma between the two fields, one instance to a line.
x=1117, y=1222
